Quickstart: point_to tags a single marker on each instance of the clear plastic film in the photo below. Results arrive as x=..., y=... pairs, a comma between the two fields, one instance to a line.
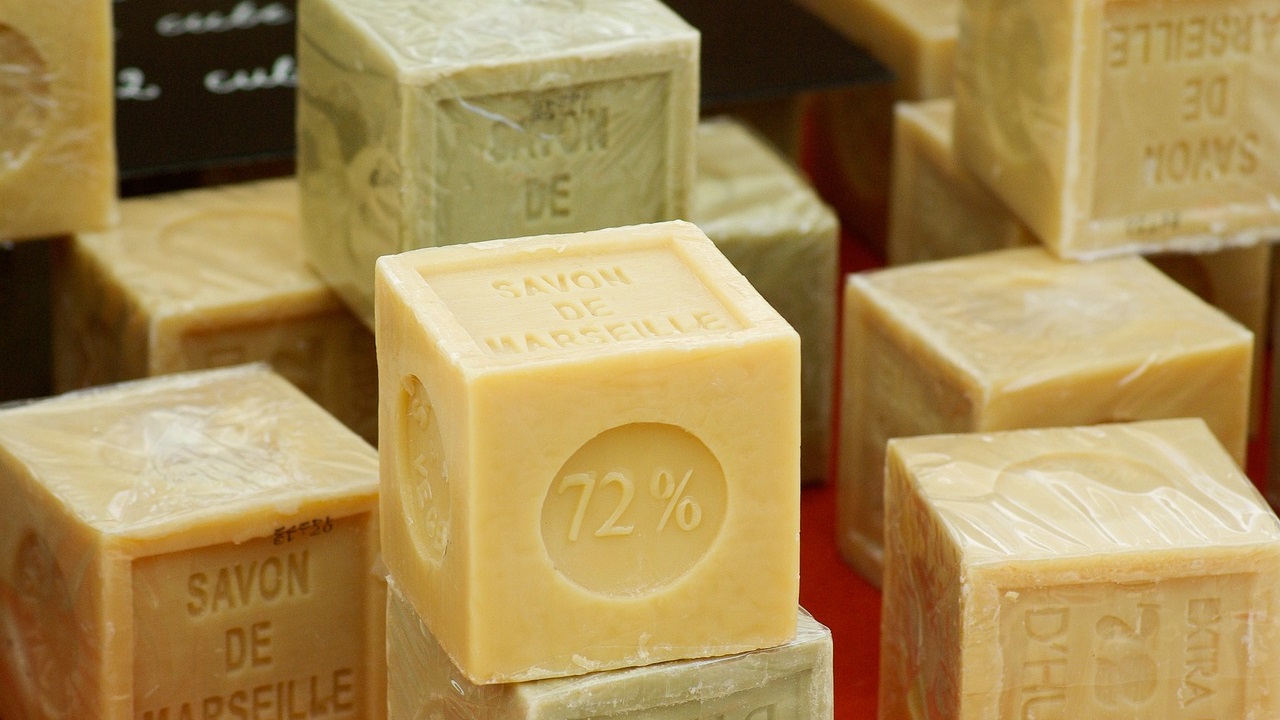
x=793, y=680
x=1077, y=570
x=165, y=534
x=451, y=122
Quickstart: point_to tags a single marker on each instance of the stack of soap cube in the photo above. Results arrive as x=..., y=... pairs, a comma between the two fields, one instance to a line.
x=590, y=455
x=425, y=124
x=194, y=545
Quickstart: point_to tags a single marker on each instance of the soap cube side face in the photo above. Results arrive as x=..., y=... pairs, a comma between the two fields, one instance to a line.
x=792, y=680
x=937, y=209
x=1013, y=111
x=780, y=235
x=1084, y=612
x=175, y=549
x=57, y=154
x=490, y=143
x=893, y=385
x=602, y=427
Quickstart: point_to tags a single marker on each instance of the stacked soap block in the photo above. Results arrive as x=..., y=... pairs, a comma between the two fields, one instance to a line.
x=625, y=407
x=195, y=545
x=209, y=278
x=425, y=124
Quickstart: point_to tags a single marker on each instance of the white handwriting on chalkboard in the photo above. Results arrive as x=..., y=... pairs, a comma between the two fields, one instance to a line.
x=283, y=73
x=133, y=85
x=244, y=16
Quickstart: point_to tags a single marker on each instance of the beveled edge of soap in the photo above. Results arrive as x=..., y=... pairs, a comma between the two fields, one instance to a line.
x=1204, y=477
x=402, y=275
x=348, y=473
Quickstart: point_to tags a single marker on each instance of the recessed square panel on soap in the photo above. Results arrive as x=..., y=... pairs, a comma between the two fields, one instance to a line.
x=590, y=451
x=194, y=545
x=1120, y=126
x=425, y=124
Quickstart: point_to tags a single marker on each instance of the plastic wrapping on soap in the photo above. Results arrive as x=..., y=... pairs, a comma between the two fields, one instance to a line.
x=793, y=680
x=423, y=125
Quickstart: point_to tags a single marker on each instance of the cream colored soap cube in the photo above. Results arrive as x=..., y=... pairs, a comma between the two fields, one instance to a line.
x=1017, y=339
x=424, y=124
x=1122, y=125
x=789, y=681
x=771, y=225
x=197, y=545
x=209, y=278
x=590, y=451
x=57, y=118
x=1125, y=570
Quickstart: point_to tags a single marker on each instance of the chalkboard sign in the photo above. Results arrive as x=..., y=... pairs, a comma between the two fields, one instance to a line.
x=203, y=82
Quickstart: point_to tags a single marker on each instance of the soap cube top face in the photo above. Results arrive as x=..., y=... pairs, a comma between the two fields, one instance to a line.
x=429, y=124
x=195, y=250
x=57, y=148
x=572, y=298
x=625, y=408
x=179, y=453
x=1125, y=125
x=1125, y=570
x=792, y=680
x=1013, y=318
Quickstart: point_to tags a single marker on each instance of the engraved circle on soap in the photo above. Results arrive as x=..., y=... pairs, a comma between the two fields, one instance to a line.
x=26, y=98
x=37, y=610
x=634, y=509
x=423, y=474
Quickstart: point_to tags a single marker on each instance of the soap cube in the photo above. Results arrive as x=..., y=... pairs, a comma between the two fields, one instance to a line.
x=940, y=210
x=1016, y=339
x=57, y=110
x=778, y=233
x=196, y=545
x=425, y=124
x=590, y=451
x=793, y=680
x=208, y=278
x=1126, y=570
x=1119, y=126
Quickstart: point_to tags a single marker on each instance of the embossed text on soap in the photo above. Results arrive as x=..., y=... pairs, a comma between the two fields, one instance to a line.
x=1173, y=649
x=1184, y=108
x=576, y=302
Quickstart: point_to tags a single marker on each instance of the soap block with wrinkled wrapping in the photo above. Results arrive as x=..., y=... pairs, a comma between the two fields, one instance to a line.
x=57, y=118
x=793, y=680
x=196, y=545
x=1015, y=339
x=425, y=124
x=1118, y=126
x=1126, y=570
x=600, y=426
x=772, y=226
x=209, y=278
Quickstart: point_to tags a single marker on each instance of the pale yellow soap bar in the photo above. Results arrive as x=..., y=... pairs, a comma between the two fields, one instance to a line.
x=209, y=278
x=791, y=681
x=939, y=210
x=1116, y=126
x=425, y=124
x=1016, y=339
x=775, y=230
x=590, y=451
x=197, y=545
x=1125, y=570
x=57, y=118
